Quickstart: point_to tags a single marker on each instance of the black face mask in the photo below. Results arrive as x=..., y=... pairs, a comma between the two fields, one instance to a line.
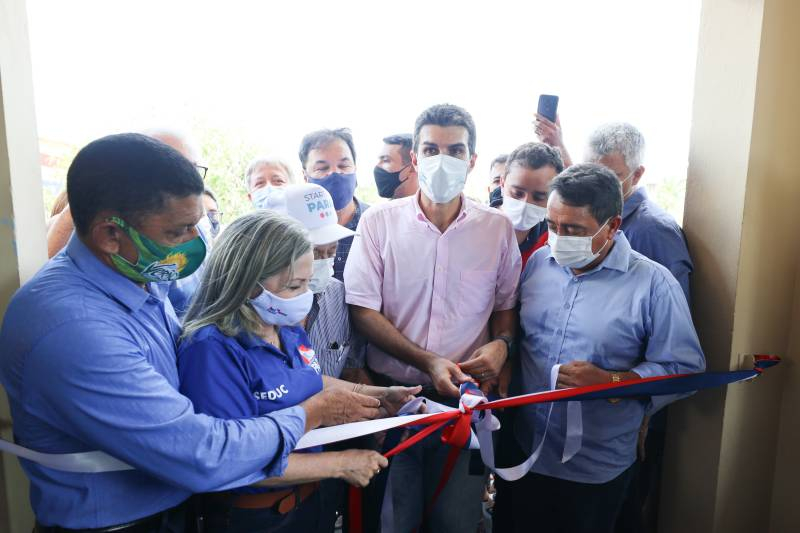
x=388, y=182
x=495, y=195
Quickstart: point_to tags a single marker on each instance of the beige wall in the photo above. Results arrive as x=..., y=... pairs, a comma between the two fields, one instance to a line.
x=22, y=244
x=743, y=225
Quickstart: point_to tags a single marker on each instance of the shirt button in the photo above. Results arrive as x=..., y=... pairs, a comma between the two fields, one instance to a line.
x=558, y=332
x=566, y=306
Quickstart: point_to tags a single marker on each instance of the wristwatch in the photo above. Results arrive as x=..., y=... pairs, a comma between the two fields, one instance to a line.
x=615, y=378
x=510, y=344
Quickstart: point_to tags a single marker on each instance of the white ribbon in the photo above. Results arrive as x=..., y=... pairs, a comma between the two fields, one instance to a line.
x=84, y=463
x=574, y=432
x=485, y=423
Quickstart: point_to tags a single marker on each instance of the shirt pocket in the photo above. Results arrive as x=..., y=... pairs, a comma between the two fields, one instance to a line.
x=333, y=356
x=477, y=291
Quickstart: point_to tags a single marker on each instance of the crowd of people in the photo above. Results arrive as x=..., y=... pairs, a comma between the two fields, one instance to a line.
x=200, y=353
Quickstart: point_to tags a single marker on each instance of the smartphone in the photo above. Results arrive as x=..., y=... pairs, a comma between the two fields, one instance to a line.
x=548, y=105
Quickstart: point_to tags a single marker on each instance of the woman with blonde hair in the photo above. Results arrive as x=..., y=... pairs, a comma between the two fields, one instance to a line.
x=244, y=354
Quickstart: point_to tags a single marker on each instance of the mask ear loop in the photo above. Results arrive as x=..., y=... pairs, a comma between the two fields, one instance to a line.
x=400, y=172
x=607, y=240
x=622, y=184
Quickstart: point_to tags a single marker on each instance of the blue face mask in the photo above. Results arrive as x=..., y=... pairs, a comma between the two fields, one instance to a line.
x=340, y=186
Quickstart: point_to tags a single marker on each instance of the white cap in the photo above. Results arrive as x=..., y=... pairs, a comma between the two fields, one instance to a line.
x=312, y=206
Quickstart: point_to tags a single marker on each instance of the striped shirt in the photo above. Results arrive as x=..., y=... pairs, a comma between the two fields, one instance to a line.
x=343, y=248
x=334, y=340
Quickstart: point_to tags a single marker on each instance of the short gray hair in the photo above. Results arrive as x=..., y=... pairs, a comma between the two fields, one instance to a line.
x=264, y=161
x=255, y=246
x=617, y=137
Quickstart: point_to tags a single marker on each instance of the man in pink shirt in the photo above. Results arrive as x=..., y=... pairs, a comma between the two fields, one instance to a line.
x=432, y=284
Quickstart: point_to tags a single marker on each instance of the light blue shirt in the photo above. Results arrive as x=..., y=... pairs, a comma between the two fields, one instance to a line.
x=628, y=313
x=653, y=232
x=88, y=363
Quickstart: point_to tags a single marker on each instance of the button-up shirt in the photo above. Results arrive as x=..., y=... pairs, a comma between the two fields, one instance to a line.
x=328, y=324
x=653, y=233
x=437, y=288
x=627, y=314
x=343, y=248
x=88, y=362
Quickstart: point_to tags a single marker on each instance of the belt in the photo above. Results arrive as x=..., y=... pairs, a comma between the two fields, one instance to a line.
x=282, y=501
x=148, y=524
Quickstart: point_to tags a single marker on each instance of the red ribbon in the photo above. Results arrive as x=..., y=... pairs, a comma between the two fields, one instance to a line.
x=457, y=423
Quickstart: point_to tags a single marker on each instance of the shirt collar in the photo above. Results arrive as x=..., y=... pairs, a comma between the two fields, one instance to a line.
x=109, y=280
x=617, y=259
x=633, y=202
x=419, y=214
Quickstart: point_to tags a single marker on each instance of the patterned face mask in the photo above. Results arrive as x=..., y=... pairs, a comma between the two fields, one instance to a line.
x=156, y=262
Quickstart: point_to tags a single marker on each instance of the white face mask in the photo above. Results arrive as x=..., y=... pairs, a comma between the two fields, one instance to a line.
x=322, y=275
x=574, y=252
x=442, y=177
x=523, y=215
x=623, y=182
x=282, y=311
x=269, y=197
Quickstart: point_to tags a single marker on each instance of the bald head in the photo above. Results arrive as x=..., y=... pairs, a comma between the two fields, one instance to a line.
x=177, y=140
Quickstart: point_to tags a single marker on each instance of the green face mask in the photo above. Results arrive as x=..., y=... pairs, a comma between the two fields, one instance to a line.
x=156, y=262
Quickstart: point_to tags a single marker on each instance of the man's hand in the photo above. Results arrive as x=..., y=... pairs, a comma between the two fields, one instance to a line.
x=444, y=373
x=486, y=362
x=550, y=133
x=393, y=398
x=332, y=407
x=357, y=467
x=504, y=380
x=581, y=374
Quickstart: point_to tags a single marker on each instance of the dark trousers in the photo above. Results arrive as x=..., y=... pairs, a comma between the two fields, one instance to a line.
x=222, y=518
x=173, y=520
x=639, y=512
x=334, y=493
x=550, y=505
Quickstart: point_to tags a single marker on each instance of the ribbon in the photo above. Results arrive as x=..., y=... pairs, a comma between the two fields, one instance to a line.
x=470, y=411
x=456, y=420
x=82, y=463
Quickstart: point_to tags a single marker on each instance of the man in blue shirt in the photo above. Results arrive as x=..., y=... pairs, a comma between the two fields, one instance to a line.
x=88, y=358
x=653, y=233
x=650, y=230
x=605, y=313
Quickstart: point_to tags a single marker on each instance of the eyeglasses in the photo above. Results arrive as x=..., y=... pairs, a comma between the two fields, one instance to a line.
x=214, y=216
x=202, y=171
